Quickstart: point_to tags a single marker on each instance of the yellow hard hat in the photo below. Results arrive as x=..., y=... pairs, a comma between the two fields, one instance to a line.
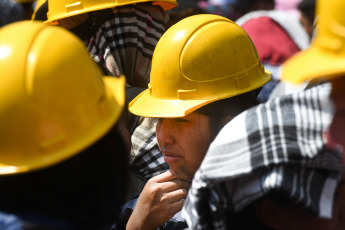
x=325, y=58
x=59, y=9
x=199, y=60
x=54, y=101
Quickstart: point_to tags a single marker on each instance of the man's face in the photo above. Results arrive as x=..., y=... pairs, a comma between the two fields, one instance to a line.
x=307, y=24
x=337, y=130
x=184, y=141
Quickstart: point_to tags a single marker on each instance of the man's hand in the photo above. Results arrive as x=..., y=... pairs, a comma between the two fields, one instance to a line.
x=162, y=197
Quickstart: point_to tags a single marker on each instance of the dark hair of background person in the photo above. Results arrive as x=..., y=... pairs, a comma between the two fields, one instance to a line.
x=29, y=10
x=246, y=6
x=229, y=107
x=10, y=11
x=41, y=13
x=86, y=190
x=307, y=7
x=184, y=9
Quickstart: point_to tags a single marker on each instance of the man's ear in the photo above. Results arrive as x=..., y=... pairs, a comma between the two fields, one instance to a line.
x=268, y=213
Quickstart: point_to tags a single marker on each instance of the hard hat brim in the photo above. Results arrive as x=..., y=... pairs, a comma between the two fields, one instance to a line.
x=313, y=64
x=166, y=5
x=146, y=105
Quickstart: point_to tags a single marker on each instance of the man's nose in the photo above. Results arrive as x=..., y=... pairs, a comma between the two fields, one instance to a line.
x=164, y=131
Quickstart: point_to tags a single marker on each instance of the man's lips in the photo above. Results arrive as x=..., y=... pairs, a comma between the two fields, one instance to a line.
x=170, y=156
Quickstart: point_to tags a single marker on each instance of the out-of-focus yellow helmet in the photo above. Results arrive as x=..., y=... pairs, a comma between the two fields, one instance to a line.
x=199, y=60
x=59, y=9
x=325, y=58
x=54, y=101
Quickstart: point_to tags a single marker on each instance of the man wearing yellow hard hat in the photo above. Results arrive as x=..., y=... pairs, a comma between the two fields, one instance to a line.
x=63, y=161
x=205, y=71
x=120, y=36
x=324, y=60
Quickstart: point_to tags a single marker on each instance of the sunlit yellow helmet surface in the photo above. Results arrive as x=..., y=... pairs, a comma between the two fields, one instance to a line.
x=325, y=58
x=54, y=102
x=199, y=60
x=59, y=9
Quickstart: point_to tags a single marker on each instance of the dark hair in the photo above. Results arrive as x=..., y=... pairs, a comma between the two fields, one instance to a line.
x=232, y=106
x=184, y=9
x=41, y=12
x=246, y=6
x=86, y=190
x=307, y=7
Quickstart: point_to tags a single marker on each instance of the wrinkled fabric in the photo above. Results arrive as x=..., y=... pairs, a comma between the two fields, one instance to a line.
x=277, y=36
x=124, y=43
x=279, y=145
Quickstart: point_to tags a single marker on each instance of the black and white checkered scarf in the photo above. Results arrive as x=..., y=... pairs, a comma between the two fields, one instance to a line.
x=279, y=145
x=124, y=43
x=146, y=158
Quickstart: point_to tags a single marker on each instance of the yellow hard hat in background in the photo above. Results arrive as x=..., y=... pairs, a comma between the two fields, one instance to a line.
x=325, y=58
x=54, y=101
x=199, y=60
x=59, y=9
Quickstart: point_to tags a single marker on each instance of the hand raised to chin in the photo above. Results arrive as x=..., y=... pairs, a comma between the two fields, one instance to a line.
x=162, y=197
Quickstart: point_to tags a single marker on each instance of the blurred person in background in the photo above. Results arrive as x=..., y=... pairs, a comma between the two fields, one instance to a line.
x=307, y=15
x=277, y=36
x=28, y=6
x=308, y=20
x=222, y=8
x=245, y=6
x=121, y=37
x=184, y=9
x=324, y=61
x=289, y=6
x=64, y=155
x=234, y=9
